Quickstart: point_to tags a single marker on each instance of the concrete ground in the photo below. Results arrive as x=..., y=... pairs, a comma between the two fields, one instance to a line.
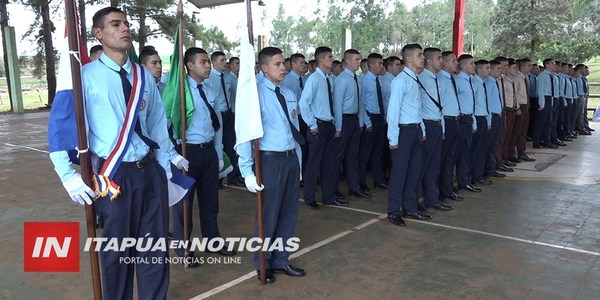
x=533, y=235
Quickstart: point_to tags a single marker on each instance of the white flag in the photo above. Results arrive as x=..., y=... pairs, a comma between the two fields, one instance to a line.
x=248, y=124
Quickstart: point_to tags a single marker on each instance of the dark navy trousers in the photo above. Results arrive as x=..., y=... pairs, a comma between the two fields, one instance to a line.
x=204, y=165
x=493, y=136
x=321, y=160
x=542, y=128
x=140, y=211
x=463, y=155
x=406, y=169
x=347, y=151
x=371, y=150
x=281, y=178
x=479, y=149
x=430, y=164
x=448, y=157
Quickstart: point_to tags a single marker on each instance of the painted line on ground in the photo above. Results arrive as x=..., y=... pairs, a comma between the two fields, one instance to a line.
x=312, y=247
x=26, y=147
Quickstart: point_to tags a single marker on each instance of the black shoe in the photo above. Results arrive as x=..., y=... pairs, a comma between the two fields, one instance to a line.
x=440, y=206
x=313, y=205
x=339, y=195
x=590, y=129
x=526, y=157
x=338, y=202
x=417, y=216
x=567, y=139
x=396, y=219
x=290, y=270
x=236, y=182
x=471, y=188
x=551, y=146
x=505, y=169
x=585, y=132
x=509, y=164
x=421, y=208
x=573, y=136
x=382, y=186
x=365, y=188
x=269, y=277
x=529, y=139
x=453, y=197
x=485, y=182
x=561, y=143
x=223, y=252
x=514, y=160
x=360, y=194
x=537, y=147
x=497, y=175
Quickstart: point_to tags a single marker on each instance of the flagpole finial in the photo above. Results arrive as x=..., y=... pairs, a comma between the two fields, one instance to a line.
x=180, y=8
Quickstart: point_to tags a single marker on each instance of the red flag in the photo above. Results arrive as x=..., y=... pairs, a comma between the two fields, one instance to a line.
x=458, y=35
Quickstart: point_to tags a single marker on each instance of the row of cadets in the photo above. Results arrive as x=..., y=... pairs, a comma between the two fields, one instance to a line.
x=222, y=88
x=405, y=138
x=522, y=120
x=348, y=114
x=495, y=107
x=280, y=157
x=433, y=128
x=509, y=109
x=479, y=147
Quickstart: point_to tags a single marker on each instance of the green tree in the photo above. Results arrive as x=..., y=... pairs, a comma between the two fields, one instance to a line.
x=282, y=35
x=399, y=29
x=366, y=21
x=434, y=22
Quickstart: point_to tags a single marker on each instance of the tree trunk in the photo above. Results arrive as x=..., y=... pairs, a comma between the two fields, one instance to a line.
x=533, y=50
x=49, y=51
x=114, y=3
x=142, y=34
x=4, y=24
x=82, y=26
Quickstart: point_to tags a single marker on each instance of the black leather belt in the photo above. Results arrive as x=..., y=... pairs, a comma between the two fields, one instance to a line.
x=202, y=145
x=319, y=121
x=495, y=114
x=451, y=117
x=137, y=164
x=412, y=125
x=288, y=153
x=373, y=115
x=431, y=121
x=350, y=115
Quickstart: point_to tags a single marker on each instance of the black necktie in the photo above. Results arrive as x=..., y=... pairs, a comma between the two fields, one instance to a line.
x=295, y=133
x=552, y=85
x=357, y=91
x=473, y=92
x=379, y=95
x=213, y=116
x=330, y=96
x=224, y=90
x=585, y=89
x=301, y=83
x=127, y=93
x=503, y=93
x=499, y=98
x=486, y=99
x=514, y=95
x=455, y=91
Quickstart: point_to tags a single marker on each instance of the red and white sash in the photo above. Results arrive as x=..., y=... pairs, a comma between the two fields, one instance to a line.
x=102, y=181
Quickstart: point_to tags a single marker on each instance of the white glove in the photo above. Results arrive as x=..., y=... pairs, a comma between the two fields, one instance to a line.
x=78, y=190
x=181, y=163
x=251, y=184
x=221, y=164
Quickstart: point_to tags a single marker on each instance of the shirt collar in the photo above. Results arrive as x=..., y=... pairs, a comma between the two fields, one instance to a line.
x=193, y=83
x=372, y=75
x=445, y=73
x=270, y=85
x=111, y=64
x=429, y=73
x=294, y=75
x=464, y=75
x=320, y=72
x=410, y=72
x=346, y=70
x=214, y=71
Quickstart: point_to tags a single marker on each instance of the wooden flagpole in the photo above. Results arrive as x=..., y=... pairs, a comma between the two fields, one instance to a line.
x=257, y=167
x=84, y=158
x=186, y=201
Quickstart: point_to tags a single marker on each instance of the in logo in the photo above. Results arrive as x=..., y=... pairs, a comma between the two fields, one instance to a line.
x=51, y=247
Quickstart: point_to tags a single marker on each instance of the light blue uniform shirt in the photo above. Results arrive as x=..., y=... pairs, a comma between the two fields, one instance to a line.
x=214, y=82
x=556, y=85
x=233, y=79
x=481, y=101
x=568, y=86
x=580, y=84
x=292, y=83
x=494, y=98
x=105, y=108
x=346, y=98
x=574, y=87
x=429, y=111
x=200, y=129
x=386, y=83
x=544, y=87
x=277, y=132
x=532, y=88
x=314, y=101
x=368, y=94
x=405, y=104
x=466, y=97
x=448, y=94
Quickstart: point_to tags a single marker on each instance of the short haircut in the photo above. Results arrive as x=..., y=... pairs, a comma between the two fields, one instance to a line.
x=494, y=63
x=191, y=53
x=146, y=53
x=287, y=59
x=579, y=67
x=511, y=61
x=321, y=51
x=428, y=52
x=296, y=56
x=232, y=59
x=547, y=61
x=266, y=53
x=98, y=18
x=216, y=54
x=410, y=47
x=446, y=53
x=336, y=63
x=95, y=49
x=501, y=58
x=464, y=57
x=363, y=61
x=523, y=62
x=482, y=62
x=312, y=62
x=349, y=52
x=390, y=60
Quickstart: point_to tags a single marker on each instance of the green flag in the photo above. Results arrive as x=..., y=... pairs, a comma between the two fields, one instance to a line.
x=171, y=95
x=132, y=55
